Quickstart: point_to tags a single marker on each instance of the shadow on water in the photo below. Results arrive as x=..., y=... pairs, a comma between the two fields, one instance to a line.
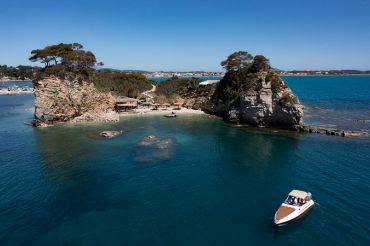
x=281, y=231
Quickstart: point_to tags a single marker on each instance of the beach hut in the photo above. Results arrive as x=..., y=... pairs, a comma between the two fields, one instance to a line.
x=146, y=104
x=126, y=103
x=155, y=106
x=178, y=105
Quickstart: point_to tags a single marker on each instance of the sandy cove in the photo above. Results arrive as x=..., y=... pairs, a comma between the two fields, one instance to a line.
x=146, y=111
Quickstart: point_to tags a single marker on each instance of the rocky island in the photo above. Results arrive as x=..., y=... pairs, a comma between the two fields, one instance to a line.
x=249, y=93
x=252, y=93
x=69, y=88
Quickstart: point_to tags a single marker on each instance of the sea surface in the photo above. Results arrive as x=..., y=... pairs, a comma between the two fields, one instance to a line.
x=198, y=181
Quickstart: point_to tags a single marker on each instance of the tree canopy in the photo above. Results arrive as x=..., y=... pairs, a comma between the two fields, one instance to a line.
x=20, y=72
x=260, y=63
x=242, y=70
x=71, y=56
x=237, y=60
x=176, y=85
x=120, y=83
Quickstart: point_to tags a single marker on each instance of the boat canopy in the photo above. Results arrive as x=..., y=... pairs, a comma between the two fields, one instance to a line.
x=298, y=194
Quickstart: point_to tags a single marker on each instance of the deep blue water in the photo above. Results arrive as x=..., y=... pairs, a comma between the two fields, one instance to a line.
x=338, y=101
x=206, y=183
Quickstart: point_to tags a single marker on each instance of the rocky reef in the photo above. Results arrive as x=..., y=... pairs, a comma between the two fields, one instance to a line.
x=110, y=134
x=63, y=100
x=153, y=149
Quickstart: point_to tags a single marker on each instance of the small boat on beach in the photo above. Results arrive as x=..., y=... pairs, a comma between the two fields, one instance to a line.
x=171, y=115
x=296, y=205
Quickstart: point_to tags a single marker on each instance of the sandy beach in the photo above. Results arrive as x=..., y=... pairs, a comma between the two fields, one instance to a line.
x=163, y=112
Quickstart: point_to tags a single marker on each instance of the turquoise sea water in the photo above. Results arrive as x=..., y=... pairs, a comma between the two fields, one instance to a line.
x=204, y=182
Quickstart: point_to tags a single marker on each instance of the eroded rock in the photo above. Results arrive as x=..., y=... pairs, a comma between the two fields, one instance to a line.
x=260, y=105
x=60, y=100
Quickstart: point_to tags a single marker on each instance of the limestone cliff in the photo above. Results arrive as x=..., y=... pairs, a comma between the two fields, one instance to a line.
x=264, y=100
x=59, y=100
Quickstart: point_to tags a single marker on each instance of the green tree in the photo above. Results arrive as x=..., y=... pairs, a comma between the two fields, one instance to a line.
x=260, y=63
x=242, y=71
x=237, y=60
x=71, y=56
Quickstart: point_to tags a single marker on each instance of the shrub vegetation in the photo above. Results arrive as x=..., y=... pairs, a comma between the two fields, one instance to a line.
x=177, y=86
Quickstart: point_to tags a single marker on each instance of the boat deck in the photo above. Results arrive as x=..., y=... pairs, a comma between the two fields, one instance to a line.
x=284, y=211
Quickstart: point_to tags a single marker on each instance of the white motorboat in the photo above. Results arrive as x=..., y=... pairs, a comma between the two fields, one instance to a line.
x=171, y=115
x=297, y=204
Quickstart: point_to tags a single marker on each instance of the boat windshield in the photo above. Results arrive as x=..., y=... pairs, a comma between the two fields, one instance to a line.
x=294, y=201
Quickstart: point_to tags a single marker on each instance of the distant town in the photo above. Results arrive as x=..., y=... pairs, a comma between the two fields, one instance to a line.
x=26, y=73
x=182, y=74
x=322, y=72
x=280, y=72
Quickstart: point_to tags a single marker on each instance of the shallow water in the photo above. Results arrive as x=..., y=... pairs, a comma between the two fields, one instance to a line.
x=204, y=182
x=25, y=84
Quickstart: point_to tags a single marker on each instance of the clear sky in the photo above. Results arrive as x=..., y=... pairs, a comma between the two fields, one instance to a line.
x=193, y=34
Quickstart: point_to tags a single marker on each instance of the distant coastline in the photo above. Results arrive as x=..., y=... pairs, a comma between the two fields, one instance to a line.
x=298, y=75
x=182, y=74
x=14, y=80
x=281, y=73
x=28, y=73
x=322, y=72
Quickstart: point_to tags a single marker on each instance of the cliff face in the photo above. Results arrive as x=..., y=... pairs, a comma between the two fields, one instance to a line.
x=60, y=100
x=268, y=102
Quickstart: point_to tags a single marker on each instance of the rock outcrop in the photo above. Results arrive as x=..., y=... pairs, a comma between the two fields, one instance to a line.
x=110, y=134
x=60, y=100
x=332, y=132
x=267, y=102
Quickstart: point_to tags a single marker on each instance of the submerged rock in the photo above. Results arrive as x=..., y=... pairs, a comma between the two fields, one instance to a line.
x=332, y=132
x=36, y=123
x=154, y=148
x=59, y=100
x=101, y=117
x=110, y=134
x=157, y=142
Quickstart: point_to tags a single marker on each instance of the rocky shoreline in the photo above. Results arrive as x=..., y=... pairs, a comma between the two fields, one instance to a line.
x=331, y=132
x=60, y=100
x=71, y=101
x=268, y=102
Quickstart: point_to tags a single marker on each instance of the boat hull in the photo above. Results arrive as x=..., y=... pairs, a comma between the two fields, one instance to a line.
x=283, y=217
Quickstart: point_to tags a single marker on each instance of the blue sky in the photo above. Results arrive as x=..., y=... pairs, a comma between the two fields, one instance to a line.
x=192, y=35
